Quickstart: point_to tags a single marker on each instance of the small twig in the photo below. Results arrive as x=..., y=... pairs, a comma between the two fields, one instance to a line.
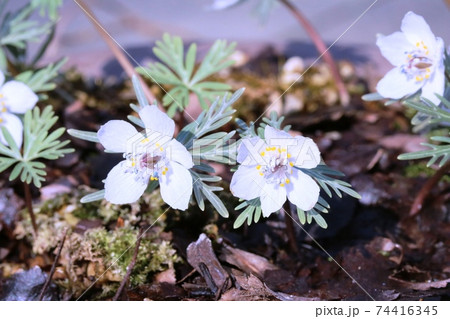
x=52, y=270
x=426, y=189
x=29, y=204
x=290, y=230
x=193, y=271
x=130, y=266
x=118, y=53
x=322, y=48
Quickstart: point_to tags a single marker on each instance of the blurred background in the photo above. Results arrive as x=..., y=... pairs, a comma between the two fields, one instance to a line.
x=137, y=24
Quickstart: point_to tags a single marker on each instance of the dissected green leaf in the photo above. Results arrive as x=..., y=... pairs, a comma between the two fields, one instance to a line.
x=178, y=74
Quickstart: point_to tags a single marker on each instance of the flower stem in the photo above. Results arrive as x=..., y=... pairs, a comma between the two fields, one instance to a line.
x=130, y=266
x=29, y=204
x=116, y=50
x=323, y=50
x=426, y=189
x=290, y=231
x=447, y=76
x=52, y=270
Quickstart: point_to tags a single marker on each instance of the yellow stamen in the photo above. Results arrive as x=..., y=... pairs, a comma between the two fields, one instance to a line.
x=133, y=163
x=258, y=167
x=1, y=120
x=428, y=70
x=419, y=78
x=164, y=172
x=427, y=76
x=4, y=109
x=410, y=56
x=161, y=149
x=282, y=185
x=418, y=44
x=287, y=181
x=289, y=155
x=261, y=173
x=145, y=140
x=291, y=164
x=267, y=148
x=158, y=145
x=427, y=52
x=263, y=153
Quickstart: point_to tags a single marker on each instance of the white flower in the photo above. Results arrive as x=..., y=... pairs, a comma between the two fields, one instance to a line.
x=268, y=171
x=418, y=57
x=224, y=4
x=156, y=156
x=15, y=97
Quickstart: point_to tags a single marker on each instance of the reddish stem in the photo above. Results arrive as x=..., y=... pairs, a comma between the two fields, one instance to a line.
x=290, y=230
x=426, y=189
x=29, y=204
x=116, y=50
x=323, y=50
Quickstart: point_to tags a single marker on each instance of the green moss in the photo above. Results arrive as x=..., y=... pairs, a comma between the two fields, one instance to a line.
x=421, y=170
x=100, y=255
x=117, y=249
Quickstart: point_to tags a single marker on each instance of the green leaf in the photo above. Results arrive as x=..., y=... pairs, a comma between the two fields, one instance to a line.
x=41, y=80
x=84, y=135
x=435, y=152
x=178, y=72
x=38, y=143
x=99, y=195
x=372, y=97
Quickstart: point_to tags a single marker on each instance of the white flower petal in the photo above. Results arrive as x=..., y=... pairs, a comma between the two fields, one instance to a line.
x=271, y=135
x=19, y=98
x=272, y=198
x=396, y=85
x=435, y=85
x=157, y=121
x=123, y=187
x=249, y=151
x=14, y=126
x=394, y=46
x=115, y=135
x=305, y=153
x=223, y=4
x=302, y=191
x=416, y=29
x=176, y=186
x=2, y=77
x=177, y=152
x=247, y=183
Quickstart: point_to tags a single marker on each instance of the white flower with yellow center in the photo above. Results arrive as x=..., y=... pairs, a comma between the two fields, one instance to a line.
x=269, y=170
x=155, y=156
x=15, y=97
x=418, y=57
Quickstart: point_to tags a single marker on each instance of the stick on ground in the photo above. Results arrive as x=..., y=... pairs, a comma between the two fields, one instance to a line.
x=52, y=271
x=130, y=266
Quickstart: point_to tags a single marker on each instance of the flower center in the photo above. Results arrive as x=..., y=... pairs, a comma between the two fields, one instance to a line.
x=418, y=63
x=277, y=166
x=147, y=162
